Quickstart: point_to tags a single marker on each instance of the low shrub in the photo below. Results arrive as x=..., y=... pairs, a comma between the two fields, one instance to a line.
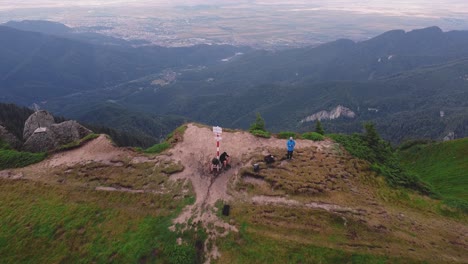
x=171, y=139
x=313, y=136
x=14, y=159
x=410, y=143
x=4, y=145
x=384, y=161
x=287, y=135
x=78, y=143
x=457, y=204
x=260, y=133
x=176, y=135
x=158, y=148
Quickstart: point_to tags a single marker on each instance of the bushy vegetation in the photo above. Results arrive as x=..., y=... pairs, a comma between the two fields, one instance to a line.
x=4, y=145
x=444, y=165
x=158, y=148
x=78, y=143
x=13, y=118
x=319, y=127
x=287, y=135
x=258, y=127
x=123, y=138
x=171, y=139
x=259, y=123
x=410, y=143
x=15, y=159
x=10, y=158
x=380, y=154
x=313, y=136
x=260, y=133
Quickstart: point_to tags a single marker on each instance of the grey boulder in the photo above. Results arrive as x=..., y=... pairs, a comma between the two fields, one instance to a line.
x=38, y=119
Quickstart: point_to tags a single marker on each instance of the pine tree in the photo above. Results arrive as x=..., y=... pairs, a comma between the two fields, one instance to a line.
x=259, y=124
x=319, y=127
x=371, y=135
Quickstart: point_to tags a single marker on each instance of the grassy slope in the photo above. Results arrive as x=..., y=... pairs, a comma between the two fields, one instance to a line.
x=15, y=159
x=43, y=226
x=61, y=218
x=444, y=165
x=39, y=220
x=270, y=233
x=281, y=234
x=10, y=158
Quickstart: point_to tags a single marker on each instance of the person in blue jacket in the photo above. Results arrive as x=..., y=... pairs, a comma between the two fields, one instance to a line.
x=290, y=144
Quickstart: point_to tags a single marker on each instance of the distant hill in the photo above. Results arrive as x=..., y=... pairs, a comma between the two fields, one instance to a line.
x=41, y=26
x=344, y=60
x=411, y=84
x=37, y=67
x=61, y=30
x=402, y=81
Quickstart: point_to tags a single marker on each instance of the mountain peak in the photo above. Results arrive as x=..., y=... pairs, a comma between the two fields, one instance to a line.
x=433, y=29
x=48, y=27
x=429, y=31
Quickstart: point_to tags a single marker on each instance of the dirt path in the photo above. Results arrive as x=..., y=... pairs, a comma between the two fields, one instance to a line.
x=100, y=149
x=195, y=153
x=199, y=147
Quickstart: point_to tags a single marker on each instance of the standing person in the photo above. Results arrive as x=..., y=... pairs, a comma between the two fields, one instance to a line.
x=290, y=144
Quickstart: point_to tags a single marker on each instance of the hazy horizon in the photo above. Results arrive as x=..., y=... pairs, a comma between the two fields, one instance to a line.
x=421, y=7
x=259, y=23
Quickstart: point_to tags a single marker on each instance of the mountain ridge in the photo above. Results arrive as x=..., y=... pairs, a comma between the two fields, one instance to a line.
x=284, y=86
x=356, y=216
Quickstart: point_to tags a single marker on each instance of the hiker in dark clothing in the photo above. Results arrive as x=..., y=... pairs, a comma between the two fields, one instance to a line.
x=224, y=158
x=215, y=165
x=269, y=159
x=290, y=145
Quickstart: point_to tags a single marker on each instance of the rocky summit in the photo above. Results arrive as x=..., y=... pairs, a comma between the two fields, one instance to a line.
x=41, y=133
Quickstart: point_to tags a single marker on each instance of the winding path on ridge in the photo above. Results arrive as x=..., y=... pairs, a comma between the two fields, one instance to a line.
x=199, y=147
x=196, y=151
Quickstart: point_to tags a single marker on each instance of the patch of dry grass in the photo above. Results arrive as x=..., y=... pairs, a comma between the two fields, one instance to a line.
x=376, y=223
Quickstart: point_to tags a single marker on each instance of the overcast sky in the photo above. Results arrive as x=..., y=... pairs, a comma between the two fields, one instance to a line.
x=423, y=7
x=303, y=21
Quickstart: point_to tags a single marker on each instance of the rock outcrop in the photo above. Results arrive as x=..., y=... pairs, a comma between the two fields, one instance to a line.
x=69, y=131
x=9, y=138
x=449, y=136
x=42, y=134
x=38, y=119
x=339, y=111
x=44, y=140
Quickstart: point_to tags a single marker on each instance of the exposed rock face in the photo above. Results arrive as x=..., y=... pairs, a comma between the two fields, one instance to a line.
x=450, y=136
x=42, y=134
x=9, y=138
x=335, y=113
x=36, y=120
x=42, y=141
x=69, y=131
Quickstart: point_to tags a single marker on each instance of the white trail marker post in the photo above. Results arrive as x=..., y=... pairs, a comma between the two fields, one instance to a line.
x=217, y=131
